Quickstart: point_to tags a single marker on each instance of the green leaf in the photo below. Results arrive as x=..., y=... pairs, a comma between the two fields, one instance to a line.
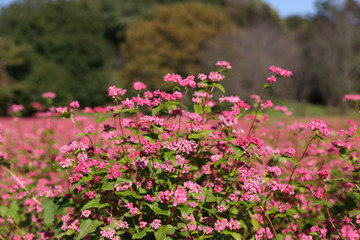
x=210, y=196
x=4, y=162
x=95, y=203
x=3, y=211
x=83, y=179
x=100, y=119
x=207, y=109
x=108, y=186
x=254, y=222
x=157, y=109
x=142, y=233
x=129, y=193
x=316, y=136
x=212, y=210
x=321, y=202
x=157, y=210
x=200, y=134
x=167, y=155
x=124, y=110
x=198, y=109
x=13, y=209
x=357, y=132
x=87, y=227
x=185, y=211
x=67, y=233
x=294, y=161
x=150, y=139
x=219, y=86
x=267, y=86
x=354, y=213
x=49, y=210
x=339, y=180
x=236, y=236
x=314, y=234
x=161, y=233
x=238, y=152
x=139, y=235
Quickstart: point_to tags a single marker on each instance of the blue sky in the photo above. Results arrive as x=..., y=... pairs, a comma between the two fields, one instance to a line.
x=5, y=2
x=284, y=7
x=291, y=7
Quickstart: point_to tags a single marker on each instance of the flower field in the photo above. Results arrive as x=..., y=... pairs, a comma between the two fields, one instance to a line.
x=151, y=167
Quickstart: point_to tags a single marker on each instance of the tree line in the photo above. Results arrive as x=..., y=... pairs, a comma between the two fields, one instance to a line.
x=77, y=48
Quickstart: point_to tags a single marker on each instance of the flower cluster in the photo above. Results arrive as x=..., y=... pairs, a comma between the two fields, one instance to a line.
x=320, y=126
x=153, y=167
x=114, y=91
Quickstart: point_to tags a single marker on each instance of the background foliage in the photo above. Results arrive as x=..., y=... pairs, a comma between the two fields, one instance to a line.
x=78, y=48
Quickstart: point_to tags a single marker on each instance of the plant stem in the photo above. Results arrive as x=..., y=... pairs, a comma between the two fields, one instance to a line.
x=328, y=212
x=293, y=171
x=23, y=186
x=256, y=112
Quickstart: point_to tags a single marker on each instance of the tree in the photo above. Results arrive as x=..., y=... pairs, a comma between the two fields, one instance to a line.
x=172, y=42
x=331, y=52
x=68, y=38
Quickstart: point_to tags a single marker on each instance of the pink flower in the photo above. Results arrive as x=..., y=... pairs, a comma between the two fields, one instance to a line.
x=29, y=236
x=142, y=224
x=230, y=99
x=3, y=155
x=15, y=108
x=351, y=97
x=90, y=195
x=202, y=77
x=280, y=71
x=271, y=79
x=188, y=82
x=275, y=170
x=216, y=77
x=134, y=211
x=66, y=162
x=109, y=233
x=49, y=95
x=37, y=106
x=139, y=86
x=165, y=196
x=260, y=234
x=320, y=126
x=74, y=104
x=283, y=109
x=180, y=196
x=283, y=208
x=114, y=91
x=267, y=104
x=149, y=198
x=348, y=232
x=221, y=225
x=323, y=174
x=62, y=110
x=86, y=213
x=224, y=64
x=208, y=230
x=193, y=187
x=221, y=208
x=289, y=152
x=122, y=224
x=347, y=219
x=156, y=224
x=176, y=78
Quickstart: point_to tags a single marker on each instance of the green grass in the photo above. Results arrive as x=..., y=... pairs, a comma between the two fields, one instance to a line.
x=308, y=109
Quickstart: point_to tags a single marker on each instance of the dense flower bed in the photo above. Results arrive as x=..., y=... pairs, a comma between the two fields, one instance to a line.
x=149, y=167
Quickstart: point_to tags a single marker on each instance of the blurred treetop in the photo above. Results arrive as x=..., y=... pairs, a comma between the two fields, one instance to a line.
x=77, y=48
